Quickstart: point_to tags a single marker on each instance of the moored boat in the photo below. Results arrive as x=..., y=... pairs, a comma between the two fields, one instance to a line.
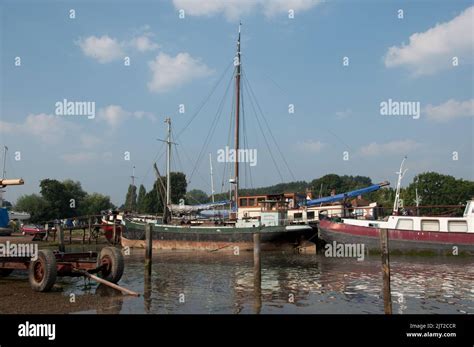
x=406, y=233
x=213, y=232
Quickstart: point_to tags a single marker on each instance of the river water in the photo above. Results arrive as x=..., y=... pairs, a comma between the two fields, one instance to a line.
x=213, y=283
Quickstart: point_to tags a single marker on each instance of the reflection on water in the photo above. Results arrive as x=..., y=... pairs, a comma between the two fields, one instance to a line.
x=217, y=283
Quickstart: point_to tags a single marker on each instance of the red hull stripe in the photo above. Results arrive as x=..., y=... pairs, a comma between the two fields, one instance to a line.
x=402, y=235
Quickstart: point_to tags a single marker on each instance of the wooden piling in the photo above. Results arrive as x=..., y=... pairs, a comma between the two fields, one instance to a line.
x=387, y=296
x=114, y=231
x=148, y=248
x=60, y=230
x=257, y=273
x=90, y=230
x=147, y=292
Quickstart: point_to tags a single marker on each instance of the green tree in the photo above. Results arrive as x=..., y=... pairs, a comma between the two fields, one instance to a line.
x=152, y=203
x=196, y=196
x=95, y=203
x=438, y=189
x=64, y=198
x=141, y=199
x=340, y=184
x=35, y=205
x=131, y=198
x=178, y=186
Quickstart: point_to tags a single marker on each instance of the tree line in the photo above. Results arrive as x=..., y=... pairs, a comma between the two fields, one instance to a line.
x=59, y=200
x=67, y=199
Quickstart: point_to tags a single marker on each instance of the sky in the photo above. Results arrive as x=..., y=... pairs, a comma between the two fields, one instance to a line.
x=334, y=63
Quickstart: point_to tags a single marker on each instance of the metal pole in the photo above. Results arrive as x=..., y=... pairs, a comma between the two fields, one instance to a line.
x=168, y=163
x=212, y=179
x=62, y=248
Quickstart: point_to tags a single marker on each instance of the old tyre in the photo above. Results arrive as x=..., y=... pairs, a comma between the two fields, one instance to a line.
x=5, y=272
x=111, y=263
x=42, y=271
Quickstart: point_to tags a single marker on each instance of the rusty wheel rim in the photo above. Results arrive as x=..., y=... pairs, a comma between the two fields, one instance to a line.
x=38, y=271
x=106, y=263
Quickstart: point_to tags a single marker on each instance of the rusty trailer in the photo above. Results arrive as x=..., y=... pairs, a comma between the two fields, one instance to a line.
x=48, y=265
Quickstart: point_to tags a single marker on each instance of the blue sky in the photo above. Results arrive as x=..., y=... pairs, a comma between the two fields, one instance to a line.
x=177, y=61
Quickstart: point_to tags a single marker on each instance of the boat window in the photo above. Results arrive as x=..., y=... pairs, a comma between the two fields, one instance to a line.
x=405, y=224
x=310, y=215
x=298, y=215
x=457, y=225
x=430, y=225
x=243, y=202
x=252, y=202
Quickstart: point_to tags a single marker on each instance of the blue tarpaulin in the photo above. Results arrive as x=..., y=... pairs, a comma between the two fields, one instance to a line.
x=342, y=196
x=4, y=218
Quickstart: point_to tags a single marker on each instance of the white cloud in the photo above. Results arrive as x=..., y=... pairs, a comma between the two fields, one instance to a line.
x=114, y=115
x=310, y=146
x=433, y=50
x=235, y=9
x=169, y=72
x=104, y=49
x=388, y=148
x=143, y=43
x=449, y=110
x=48, y=128
x=89, y=140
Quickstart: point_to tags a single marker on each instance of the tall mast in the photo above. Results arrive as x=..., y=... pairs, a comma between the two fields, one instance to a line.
x=4, y=172
x=168, y=163
x=212, y=178
x=401, y=173
x=133, y=175
x=237, y=120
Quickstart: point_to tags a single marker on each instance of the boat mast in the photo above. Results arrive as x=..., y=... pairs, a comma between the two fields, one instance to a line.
x=168, y=163
x=401, y=173
x=4, y=173
x=212, y=179
x=237, y=63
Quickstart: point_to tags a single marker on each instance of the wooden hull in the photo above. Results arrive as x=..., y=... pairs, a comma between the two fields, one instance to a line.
x=168, y=237
x=403, y=241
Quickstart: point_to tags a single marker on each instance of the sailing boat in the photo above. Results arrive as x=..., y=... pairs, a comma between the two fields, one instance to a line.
x=272, y=225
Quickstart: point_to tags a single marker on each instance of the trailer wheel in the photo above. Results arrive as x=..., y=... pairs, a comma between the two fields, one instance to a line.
x=42, y=271
x=5, y=272
x=111, y=261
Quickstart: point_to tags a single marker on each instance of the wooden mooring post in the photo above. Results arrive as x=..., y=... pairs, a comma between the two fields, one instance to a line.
x=60, y=230
x=387, y=295
x=114, y=230
x=257, y=273
x=90, y=230
x=148, y=248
